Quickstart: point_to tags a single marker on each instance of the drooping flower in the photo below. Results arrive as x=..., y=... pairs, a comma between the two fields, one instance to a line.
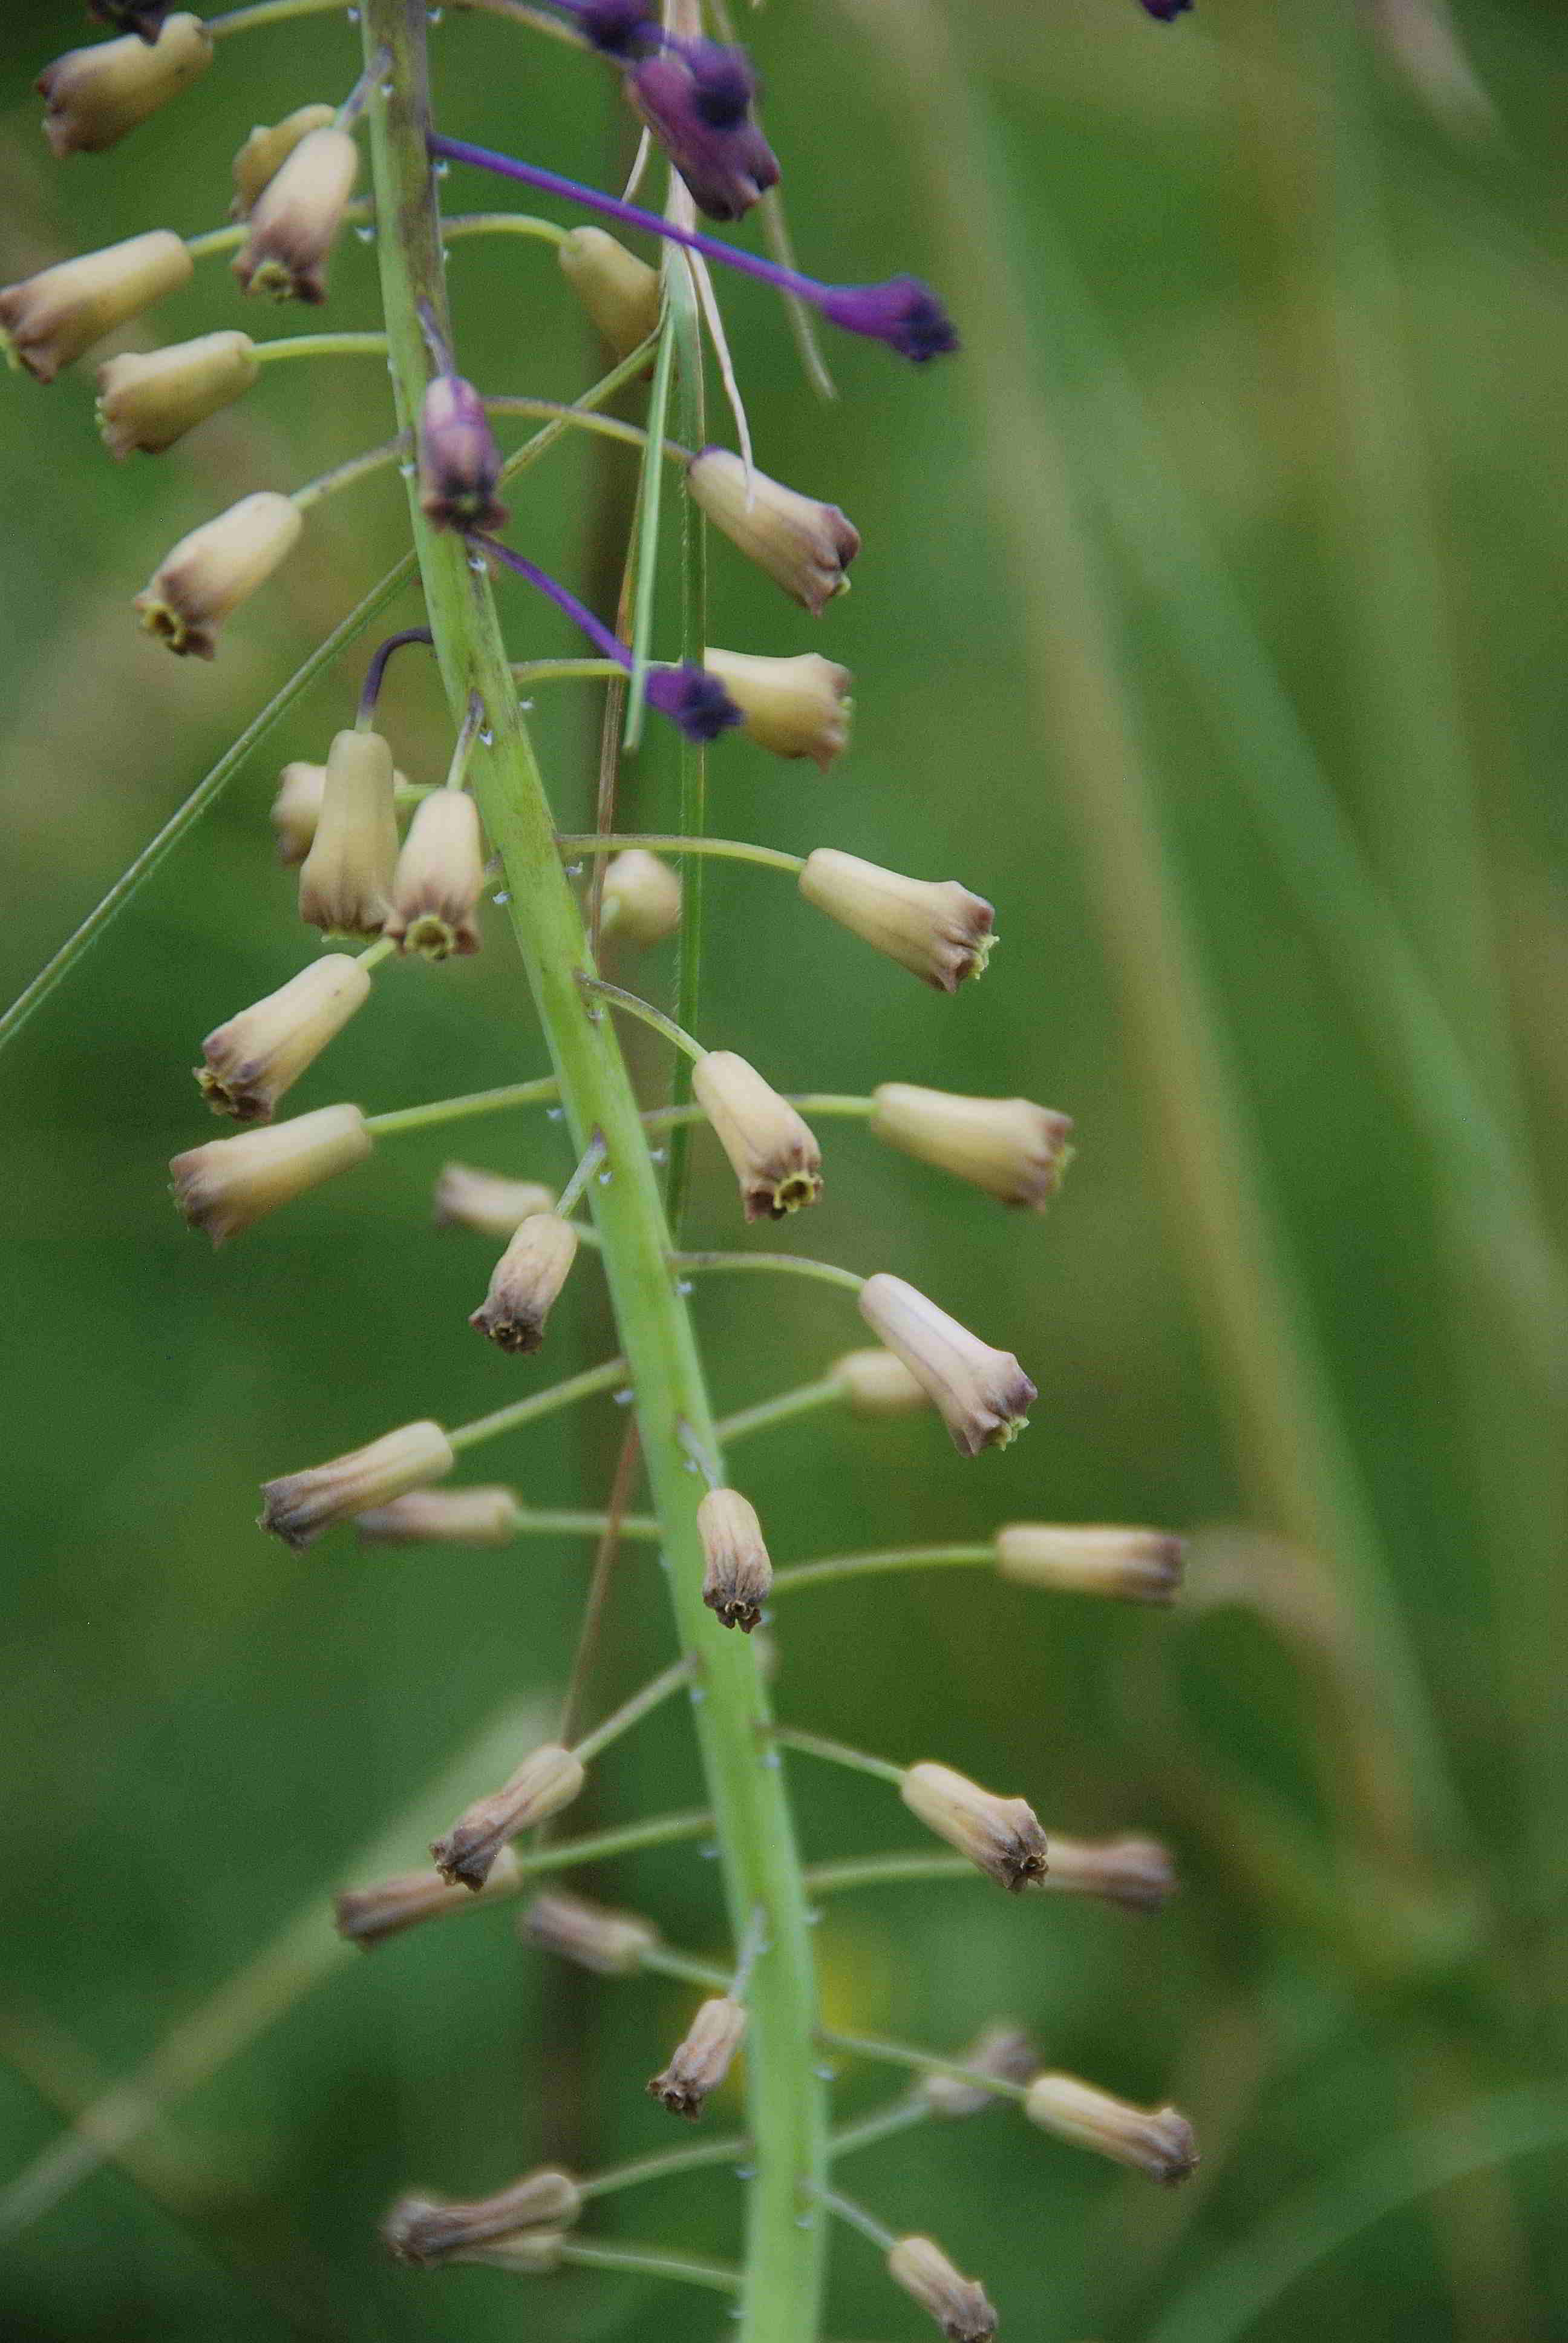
x=148, y=400
x=93, y=97
x=208, y=574
x=49, y=321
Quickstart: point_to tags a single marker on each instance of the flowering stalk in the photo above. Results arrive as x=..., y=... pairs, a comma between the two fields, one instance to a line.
x=779, y=2301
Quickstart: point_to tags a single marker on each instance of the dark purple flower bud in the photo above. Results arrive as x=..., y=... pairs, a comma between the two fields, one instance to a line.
x=459, y=462
x=696, y=102
x=143, y=16
x=617, y=28
x=903, y=313
x=1165, y=11
x=694, y=699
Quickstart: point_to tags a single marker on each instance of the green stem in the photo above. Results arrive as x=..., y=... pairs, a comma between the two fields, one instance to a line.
x=786, y=2098
x=664, y=2168
x=885, y=1870
x=609, y=426
x=632, y=1712
x=786, y=1264
x=642, y=1526
x=729, y=849
x=358, y=468
x=866, y=1565
x=649, y=2262
x=921, y=2062
x=264, y=12
x=804, y=1400
x=602, y=392
x=646, y=1012
x=320, y=346
x=545, y=1402
x=206, y=792
x=216, y=239
x=812, y=1102
x=689, y=1970
x=526, y=672
x=543, y=1093
x=691, y=756
x=839, y=1753
x=902, y=2116
x=502, y=224
x=846, y=2209
x=648, y=500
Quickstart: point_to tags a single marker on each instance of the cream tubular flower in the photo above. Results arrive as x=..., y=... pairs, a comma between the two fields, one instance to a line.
x=1129, y=1566
x=1004, y=2051
x=426, y=2229
x=959, y=2305
x=346, y=879
x=49, y=321
x=1009, y=1147
x=297, y=810
x=92, y=97
x=983, y=1396
x=1001, y=1836
x=774, y=1157
x=368, y=1915
x=877, y=1384
x=215, y=568
x=147, y=402
x=619, y=292
x=641, y=896
x=1136, y=1873
x=611, y=1944
x=477, y=1516
x=526, y=1280
x=546, y=1781
x=796, y=706
x=738, y=1573
x=483, y=1200
x=702, y=2060
x=267, y=149
x=936, y=929
x=230, y=1184
x=295, y=220
x=440, y=878
x=258, y=1055
x=301, y=1506
x=1155, y=2140
x=804, y=545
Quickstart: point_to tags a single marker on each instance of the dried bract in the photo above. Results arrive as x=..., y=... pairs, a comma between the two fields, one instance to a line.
x=526, y=1282
x=959, y=2305
x=230, y=1184
x=795, y=707
x=1009, y=1147
x=302, y=1506
x=738, y=1573
x=1129, y=1565
x=641, y=899
x=267, y=149
x=611, y=1944
x=1001, y=1836
x=547, y=1780
x=702, y=2060
x=485, y=1201
x=936, y=929
x=983, y=1396
x=368, y=1915
x=477, y=1516
x=49, y=321
x=619, y=292
x=1004, y=2051
x=1155, y=2140
x=804, y=545
x=147, y=402
x=877, y=1384
x=258, y=1055
x=92, y=97
x=426, y=2229
x=776, y=1159
x=295, y=220
x=346, y=879
x=215, y=568
x=438, y=880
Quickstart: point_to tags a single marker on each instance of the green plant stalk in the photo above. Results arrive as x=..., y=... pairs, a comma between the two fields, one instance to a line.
x=786, y=2099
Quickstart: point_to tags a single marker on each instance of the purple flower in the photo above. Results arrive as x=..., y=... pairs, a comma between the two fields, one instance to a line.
x=1165, y=11
x=143, y=16
x=696, y=98
x=694, y=699
x=617, y=28
x=903, y=313
x=459, y=463
x=691, y=697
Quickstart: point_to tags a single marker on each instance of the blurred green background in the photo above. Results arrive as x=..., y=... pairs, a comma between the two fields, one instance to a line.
x=1210, y=623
